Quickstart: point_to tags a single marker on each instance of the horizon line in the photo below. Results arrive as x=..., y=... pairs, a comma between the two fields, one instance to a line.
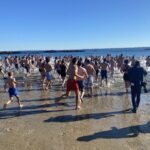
x=74, y=49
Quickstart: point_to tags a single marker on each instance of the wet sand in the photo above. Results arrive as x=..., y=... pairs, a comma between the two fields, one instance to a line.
x=104, y=123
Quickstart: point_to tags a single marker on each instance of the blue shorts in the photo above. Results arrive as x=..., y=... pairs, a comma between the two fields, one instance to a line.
x=12, y=92
x=48, y=76
x=103, y=74
x=81, y=85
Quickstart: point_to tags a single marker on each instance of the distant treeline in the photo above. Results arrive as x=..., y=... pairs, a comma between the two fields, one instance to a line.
x=10, y=52
x=39, y=51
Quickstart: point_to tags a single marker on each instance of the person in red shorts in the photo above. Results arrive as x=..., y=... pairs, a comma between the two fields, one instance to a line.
x=72, y=83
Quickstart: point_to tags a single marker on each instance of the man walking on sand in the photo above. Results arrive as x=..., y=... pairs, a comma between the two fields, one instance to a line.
x=136, y=74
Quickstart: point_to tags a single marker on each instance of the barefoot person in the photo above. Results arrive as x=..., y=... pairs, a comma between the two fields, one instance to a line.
x=91, y=73
x=63, y=71
x=104, y=67
x=112, y=67
x=82, y=72
x=125, y=70
x=11, y=83
x=1, y=71
x=72, y=85
x=48, y=68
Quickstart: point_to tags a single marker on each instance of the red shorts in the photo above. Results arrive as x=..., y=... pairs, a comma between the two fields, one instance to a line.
x=72, y=85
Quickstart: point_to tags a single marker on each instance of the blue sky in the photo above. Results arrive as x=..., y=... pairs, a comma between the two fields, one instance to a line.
x=73, y=24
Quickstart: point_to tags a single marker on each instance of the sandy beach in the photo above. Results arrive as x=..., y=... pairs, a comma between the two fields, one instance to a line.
x=99, y=51
x=104, y=123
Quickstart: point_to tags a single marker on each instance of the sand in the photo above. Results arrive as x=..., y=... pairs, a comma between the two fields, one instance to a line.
x=104, y=123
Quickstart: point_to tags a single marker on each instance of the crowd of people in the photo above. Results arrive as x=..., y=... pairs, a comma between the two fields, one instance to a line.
x=76, y=74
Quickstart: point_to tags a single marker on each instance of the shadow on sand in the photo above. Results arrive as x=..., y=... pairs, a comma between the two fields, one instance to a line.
x=115, y=133
x=71, y=118
x=19, y=113
x=32, y=110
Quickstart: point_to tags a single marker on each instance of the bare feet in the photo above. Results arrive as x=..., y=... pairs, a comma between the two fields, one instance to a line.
x=78, y=108
x=21, y=105
x=81, y=100
x=4, y=107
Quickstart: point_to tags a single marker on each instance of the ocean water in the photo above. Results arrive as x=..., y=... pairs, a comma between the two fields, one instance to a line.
x=137, y=52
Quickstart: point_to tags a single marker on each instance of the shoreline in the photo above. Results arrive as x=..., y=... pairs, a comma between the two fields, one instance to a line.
x=67, y=50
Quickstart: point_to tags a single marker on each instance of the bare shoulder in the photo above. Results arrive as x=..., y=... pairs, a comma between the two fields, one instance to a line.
x=75, y=67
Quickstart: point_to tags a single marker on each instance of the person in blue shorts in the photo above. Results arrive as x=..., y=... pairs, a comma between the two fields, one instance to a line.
x=104, y=66
x=82, y=72
x=11, y=83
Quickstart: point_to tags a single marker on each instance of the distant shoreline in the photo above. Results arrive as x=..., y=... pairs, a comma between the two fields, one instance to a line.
x=39, y=51
x=71, y=50
x=95, y=51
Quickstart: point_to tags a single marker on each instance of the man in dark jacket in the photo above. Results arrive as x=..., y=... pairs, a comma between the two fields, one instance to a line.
x=136, y=74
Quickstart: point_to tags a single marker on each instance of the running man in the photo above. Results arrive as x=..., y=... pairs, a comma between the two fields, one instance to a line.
x=48, y=74
x=72, y=85
x=11, y=83
x=104, y=67
x=91, y=73
x=82, y=72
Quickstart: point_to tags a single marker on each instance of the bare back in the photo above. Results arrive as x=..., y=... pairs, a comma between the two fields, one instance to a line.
x=104, y=66
x=90, y=69
x=72, y=70
x=11, y=82
x=48, y=67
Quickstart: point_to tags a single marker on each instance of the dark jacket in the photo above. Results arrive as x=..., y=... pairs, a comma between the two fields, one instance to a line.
x=136, y=74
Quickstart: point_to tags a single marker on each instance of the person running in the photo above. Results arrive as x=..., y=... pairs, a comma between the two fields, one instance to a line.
x=43, y=75
x=82, y=72
x=16, y=62
x=1, y=69
x=72, y=85
x=133, y=61
x=40, y=65
x=112, y=67
x=57, y=68
x=104, y=67
x=148, y=61
x=91, y=73
x=27, y=66
x=11, y=83
x=125, y=70
x=120, y=62
x=96, y=67
x=6, y=64
x=63, y=71
x=48, y=74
